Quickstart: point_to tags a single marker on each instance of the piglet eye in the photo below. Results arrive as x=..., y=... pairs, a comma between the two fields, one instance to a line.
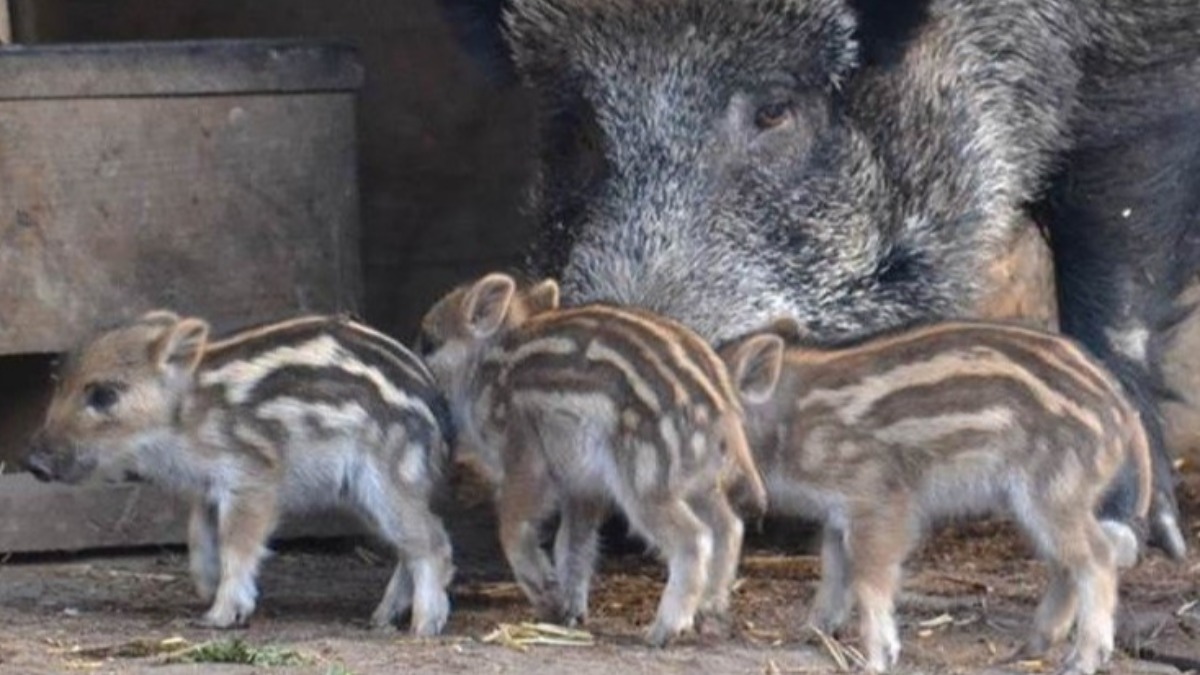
x=773, y=115
x=101, y=396
x=425, y=344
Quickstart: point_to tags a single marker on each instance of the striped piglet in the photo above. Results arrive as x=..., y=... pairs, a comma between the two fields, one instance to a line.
x=286, y=418
x=880, y=438
x=590, y=407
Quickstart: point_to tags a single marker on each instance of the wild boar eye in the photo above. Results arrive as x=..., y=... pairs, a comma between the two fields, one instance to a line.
x=773, y=114
x=100, y=396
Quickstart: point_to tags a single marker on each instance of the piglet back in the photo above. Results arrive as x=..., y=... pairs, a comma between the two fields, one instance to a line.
x=330, y=359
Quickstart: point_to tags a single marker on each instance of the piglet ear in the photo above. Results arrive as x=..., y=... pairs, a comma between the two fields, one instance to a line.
x=156, y=317
x=543, y=297
x=181, y=346
x=756, y=365
x=487, y=303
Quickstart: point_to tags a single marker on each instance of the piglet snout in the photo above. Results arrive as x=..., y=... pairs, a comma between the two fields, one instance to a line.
x=39, y=460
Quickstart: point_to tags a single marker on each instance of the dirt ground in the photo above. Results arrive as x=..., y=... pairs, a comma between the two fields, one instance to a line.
x=969, y=593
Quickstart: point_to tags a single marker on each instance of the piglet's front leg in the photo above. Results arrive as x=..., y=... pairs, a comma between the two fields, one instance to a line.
x=203, y=549
x=246, y=520
x=833, y=600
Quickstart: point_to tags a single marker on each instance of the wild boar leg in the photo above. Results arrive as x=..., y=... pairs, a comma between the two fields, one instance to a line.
x=203, y=548
x=1054, y=616
x=878, y=544
x=525, y=499
x=1083, y=584
x=398, y=596
x=1093, y=567
x=431, y=572
x=246, y=520
x=423, y=559
x=687, y=545
x=832, y=603
x=713, y=509
x=575, y=554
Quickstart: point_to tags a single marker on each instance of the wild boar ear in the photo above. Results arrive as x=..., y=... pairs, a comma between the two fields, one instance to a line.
x=540, y=36
x=841, y=53
x=543, y=297
x=487, y=303
x=786, y=327
x=181, y=346
x=831, y=27
x=533, y=30
x=756, y=365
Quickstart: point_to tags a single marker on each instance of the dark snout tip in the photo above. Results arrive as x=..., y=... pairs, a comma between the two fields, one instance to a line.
x=38, y=459
x=37, y=464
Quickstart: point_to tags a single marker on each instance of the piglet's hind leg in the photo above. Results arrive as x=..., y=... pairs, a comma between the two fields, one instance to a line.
x=687, y=545
x=525, y=499
x=714, y=510
x=575, y=555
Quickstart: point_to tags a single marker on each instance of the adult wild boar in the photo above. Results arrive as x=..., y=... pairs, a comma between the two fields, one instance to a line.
x=855, y=165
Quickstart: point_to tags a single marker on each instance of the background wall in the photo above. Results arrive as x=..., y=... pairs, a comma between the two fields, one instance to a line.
x=442, y=155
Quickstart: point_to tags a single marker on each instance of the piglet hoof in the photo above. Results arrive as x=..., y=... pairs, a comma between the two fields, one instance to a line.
x=431, y=620
x=561, y=616
x=427, y=628
x=384, y=620
x=661, y=635
x=227, y=615
x=551, y=609
x=1084, y=662
x=1075, y=667
x=884, y=657
x=828, y=623
x=714, y=624
x=574, y=618
x=574, y=611
x=877, y=667
x=1033, y=649
x=230, y=621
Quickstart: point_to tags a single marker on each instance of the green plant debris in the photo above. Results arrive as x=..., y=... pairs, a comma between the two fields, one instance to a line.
x=237, y=651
